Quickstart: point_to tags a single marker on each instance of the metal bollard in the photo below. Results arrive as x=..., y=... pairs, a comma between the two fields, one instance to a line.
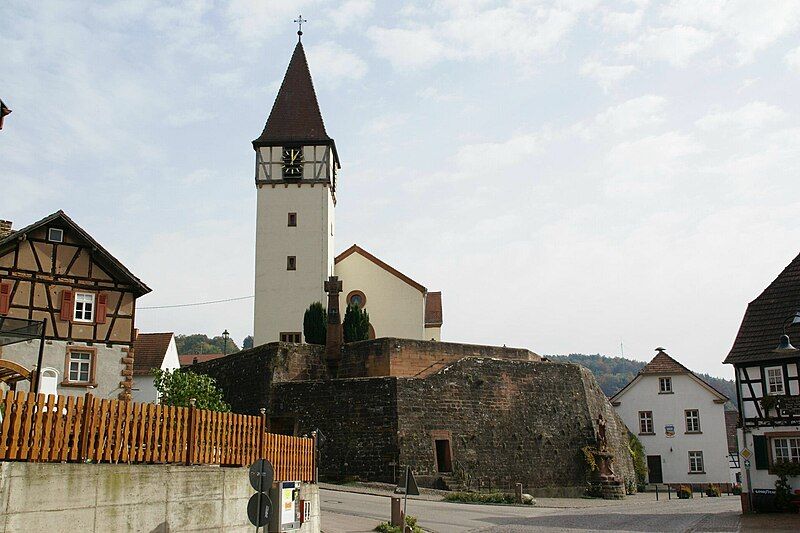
x=656, y=491
x=669, y=492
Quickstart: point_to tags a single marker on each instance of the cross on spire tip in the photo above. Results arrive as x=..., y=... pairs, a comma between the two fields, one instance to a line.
x=299, y=21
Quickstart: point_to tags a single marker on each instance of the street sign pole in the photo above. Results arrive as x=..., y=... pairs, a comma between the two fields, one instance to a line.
x=259, y=506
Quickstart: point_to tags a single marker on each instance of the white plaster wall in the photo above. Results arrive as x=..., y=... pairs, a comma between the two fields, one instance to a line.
x=433, y=334
x=761, y=479
x=396, y=309
x=107, y=373
x=282, y=296
x=669, y=409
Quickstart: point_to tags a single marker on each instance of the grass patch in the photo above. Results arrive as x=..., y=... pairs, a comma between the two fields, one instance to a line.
x=480, y=497
x=411, y=521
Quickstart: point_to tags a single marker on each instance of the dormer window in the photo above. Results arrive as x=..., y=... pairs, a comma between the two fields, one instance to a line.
x=665, y=385
x=55, y=235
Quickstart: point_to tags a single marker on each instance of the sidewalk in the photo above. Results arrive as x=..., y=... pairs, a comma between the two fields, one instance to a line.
x=386, y=490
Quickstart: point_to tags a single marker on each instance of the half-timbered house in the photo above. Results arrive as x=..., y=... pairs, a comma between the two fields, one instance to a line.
x=55, y=271
x=767, y=364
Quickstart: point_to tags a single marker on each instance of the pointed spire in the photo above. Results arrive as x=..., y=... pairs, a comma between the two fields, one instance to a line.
x=295, y=116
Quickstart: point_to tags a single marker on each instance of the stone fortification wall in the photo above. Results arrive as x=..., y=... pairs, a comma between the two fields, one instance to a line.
x=245, y=377
x=358, y=418
x=155, y=498
x=508, y=422
x=416, y=358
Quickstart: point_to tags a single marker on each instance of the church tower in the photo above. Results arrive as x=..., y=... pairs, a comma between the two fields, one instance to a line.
x=296, y=164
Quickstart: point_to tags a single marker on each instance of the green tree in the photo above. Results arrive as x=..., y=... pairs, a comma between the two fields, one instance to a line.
x=178, y=387
x=636, y=448
x=247, y=343
x=200, y=343
x=315, y=324
x=356, y=324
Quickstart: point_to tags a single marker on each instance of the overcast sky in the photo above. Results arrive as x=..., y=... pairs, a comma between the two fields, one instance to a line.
x=572, y=175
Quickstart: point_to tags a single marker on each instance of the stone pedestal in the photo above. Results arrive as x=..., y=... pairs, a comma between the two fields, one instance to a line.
x=612, y=486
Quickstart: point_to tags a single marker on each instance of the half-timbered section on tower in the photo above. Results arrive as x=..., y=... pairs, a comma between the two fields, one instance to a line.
x=767, y=370
x=54, y=270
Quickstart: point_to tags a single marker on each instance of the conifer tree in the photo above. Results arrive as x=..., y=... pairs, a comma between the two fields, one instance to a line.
x=356, y=324
x=315, y=324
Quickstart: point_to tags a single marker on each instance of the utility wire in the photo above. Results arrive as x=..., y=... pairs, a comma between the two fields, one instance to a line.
x=197, y=303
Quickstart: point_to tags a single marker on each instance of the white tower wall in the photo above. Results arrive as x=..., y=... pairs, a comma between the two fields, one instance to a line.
x=282, y=295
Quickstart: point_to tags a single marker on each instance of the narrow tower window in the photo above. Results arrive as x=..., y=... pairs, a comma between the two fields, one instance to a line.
x=292, y=219
x=291, y=263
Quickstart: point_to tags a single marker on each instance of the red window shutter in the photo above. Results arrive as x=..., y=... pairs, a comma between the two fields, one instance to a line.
x=66, y=305
x=102, y=306
x=5, y=297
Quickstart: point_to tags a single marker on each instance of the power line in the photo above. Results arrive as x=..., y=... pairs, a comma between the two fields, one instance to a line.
x=197, y=303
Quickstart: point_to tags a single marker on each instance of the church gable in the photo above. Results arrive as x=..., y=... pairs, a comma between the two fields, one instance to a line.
x=355, y=249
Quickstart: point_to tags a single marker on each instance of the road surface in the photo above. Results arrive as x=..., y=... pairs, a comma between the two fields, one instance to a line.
x=346, y=512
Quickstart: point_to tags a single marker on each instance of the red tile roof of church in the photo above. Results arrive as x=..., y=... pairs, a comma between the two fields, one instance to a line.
x=189, y=358
x=149, y=350
x=764, y=320
x=295, y=115
x=433, y=309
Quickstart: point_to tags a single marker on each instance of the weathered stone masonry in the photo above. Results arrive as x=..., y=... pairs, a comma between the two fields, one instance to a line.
x=509, y=419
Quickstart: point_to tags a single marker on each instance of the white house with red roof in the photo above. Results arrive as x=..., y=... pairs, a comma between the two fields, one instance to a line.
x=680, y=420
x=153, y=351
x=296, y=176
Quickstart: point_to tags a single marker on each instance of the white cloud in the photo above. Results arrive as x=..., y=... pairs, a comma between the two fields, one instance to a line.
x=187, y=117
x=606, y=75
x=647, y=110
x=623, y=21
x=382, y=124
x=793, y=59
x=332, y=64
x=753, y=25
x=746, y=119
x=478, y=30
x=649, y=165
x=676, y=45
x=350, y=13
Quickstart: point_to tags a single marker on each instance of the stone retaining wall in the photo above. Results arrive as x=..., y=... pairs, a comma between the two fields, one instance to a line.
x=150, y=498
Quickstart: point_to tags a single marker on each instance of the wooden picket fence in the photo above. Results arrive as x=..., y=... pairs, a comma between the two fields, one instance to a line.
x=44, y=428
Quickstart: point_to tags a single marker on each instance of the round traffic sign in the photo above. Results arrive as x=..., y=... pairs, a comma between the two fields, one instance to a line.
x=259, y=516
x=261, y=475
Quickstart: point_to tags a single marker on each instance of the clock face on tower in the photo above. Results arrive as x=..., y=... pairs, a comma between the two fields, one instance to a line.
x=292, y=162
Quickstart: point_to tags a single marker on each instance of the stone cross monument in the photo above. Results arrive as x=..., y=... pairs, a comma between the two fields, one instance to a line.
x=333, y=338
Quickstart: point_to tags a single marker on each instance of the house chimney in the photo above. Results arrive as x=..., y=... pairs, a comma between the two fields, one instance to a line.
x=5, y=228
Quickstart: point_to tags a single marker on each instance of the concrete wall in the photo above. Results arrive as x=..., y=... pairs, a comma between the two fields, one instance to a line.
x=669, y=409
x=396, y=309
x=150, y=498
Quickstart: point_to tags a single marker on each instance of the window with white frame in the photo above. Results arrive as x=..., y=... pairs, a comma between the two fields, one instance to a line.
x=80, y=366
x=55, y=235
x=645, y=421
x=786, y=449
x=84, y=307
x=696, y=462
x=775, y=380
x=692, y=421
x=664, y=385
